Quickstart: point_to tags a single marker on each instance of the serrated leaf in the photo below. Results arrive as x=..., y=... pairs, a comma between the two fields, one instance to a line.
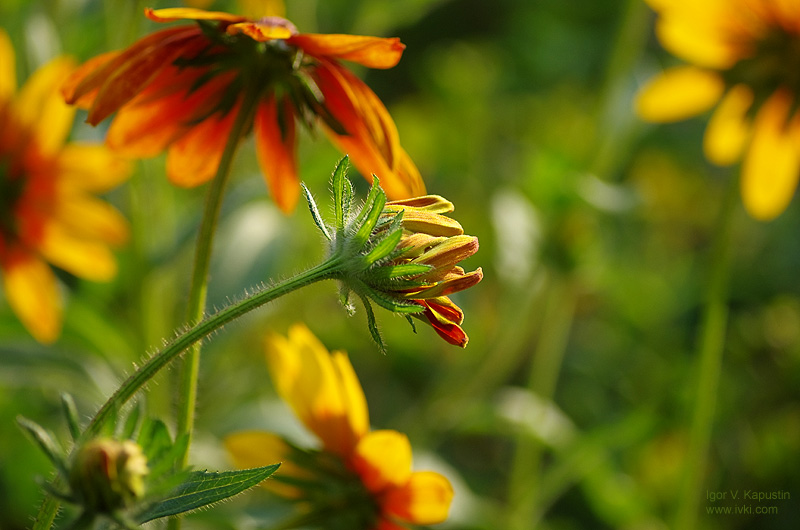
x=71, y=414
x=342, y=193
x=312, y=207
x=203, y=488
x=45, y=441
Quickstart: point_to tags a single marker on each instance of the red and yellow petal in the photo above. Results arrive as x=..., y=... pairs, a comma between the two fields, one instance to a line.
x=261, y=32
x=8, y=71
x=90, y=218
x=772, y=162
x=445, y=317
x=372, y=52
x=679, y=93
x=382, y=459
x=424, y=499
x=194, y=158
x=276, y=147
x=32, y=292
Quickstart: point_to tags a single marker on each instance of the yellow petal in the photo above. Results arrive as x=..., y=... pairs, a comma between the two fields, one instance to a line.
x=382, y=459
x=32, y=292
x=770, y=169
x=424, y=499
x=41, y=105
x=729, y=127
x=679, y=93
x=90, y=218
x=8, y=72
x=323, y=396
x=249, y=449
x=172, y=14
x=92, y=167
x=353, y=399
x=83, y=258
x=701, y=32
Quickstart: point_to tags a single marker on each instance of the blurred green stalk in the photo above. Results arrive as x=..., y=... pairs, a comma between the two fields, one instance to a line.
x=711, y=343
x=525, y=507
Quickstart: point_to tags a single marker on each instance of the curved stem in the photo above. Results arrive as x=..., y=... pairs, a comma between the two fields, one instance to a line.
x=711, y=346
x=187, y=397
x=329, y=269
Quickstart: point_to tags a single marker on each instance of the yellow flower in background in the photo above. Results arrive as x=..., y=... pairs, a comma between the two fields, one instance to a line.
x=179, y=90
x=744, y=57
x=48, y=211
x=361, y=479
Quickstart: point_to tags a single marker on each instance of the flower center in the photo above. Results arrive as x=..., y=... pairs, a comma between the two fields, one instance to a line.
x=11, y=189
x=774, y=64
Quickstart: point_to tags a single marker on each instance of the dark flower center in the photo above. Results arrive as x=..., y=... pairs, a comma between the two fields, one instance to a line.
x=774, y=64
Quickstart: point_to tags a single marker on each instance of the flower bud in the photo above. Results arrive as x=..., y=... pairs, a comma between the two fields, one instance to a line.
x=107, y=475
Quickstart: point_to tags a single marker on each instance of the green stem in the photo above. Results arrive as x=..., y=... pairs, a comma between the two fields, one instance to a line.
x=329, y=269
x=187, y=396
x=711, y=346
x=524, y=502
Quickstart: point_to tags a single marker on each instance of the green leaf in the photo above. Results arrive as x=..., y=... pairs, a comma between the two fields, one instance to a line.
x=44, y=440
x=203, y=488
x=71, y=413
x=312, y=207
x=155, y=440
x=342, y=193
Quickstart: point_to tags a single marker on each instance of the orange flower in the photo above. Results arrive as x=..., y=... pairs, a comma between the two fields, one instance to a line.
x=47, y=209
x=179, y=89
x=366, y=475
x=744, y=55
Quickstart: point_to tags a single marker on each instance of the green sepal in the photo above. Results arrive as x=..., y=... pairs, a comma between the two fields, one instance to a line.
x=342, y=193
x=71, y=414
x=369, y=215
x=383, y=248
x=411, y=323
x=312, y=207
x=394, y=272
x=393, y=304
x=372, y=324
x=203, y=488
x=46, y=443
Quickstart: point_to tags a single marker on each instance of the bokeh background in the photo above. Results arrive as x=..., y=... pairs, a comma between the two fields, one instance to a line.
x=570, y=407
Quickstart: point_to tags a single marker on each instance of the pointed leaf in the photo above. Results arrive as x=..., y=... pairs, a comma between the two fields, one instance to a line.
x=203, y=488
x=342, y=193
x=155, y=440
x=312, y=207
x=392, y=272
x=71, y=413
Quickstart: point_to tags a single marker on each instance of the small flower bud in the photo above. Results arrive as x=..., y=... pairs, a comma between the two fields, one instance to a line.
x=107, y=475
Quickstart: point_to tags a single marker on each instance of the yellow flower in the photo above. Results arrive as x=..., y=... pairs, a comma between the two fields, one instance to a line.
x=744, y=56
x=364, y=476
x=48, y=212
x=179, y=89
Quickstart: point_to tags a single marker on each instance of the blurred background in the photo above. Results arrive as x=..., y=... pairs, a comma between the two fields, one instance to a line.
x=569, y=409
